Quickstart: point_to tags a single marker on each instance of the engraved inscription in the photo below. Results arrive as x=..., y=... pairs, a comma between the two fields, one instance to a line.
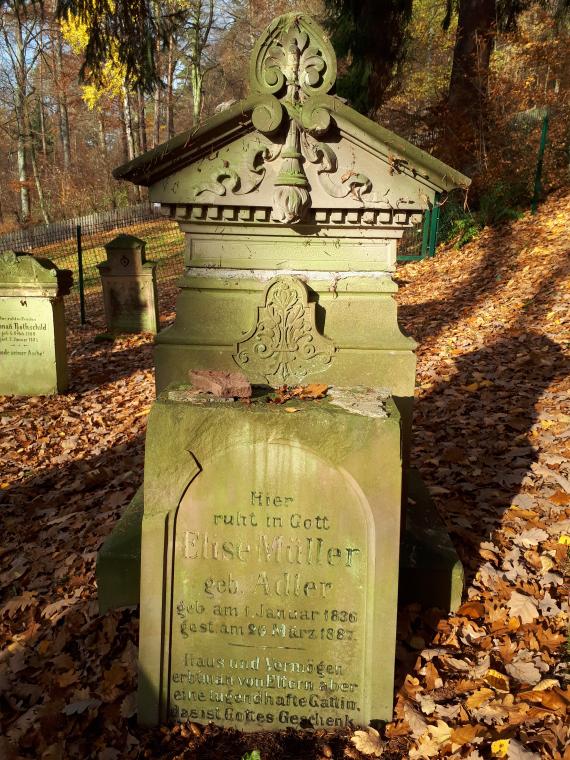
x=22, y=336
x=269, y=607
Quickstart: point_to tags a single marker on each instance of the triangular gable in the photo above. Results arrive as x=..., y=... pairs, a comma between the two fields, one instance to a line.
x=291, y=146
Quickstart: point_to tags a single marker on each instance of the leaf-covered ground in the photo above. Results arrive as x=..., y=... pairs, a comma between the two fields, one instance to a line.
x=492, y=439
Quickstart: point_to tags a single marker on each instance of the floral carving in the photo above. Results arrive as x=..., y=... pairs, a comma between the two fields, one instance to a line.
x=241, y=178
x=284, y=346
x=293, y=60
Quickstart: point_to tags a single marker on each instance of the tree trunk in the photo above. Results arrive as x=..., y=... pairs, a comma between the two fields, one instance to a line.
x=128, y=122
x=22, y=174
x=142, y=121
x=129, y=132
x=36, y=173
x=464, y=132
x=41, y=102
x=157, y=103
x=62, y=104
x=476, y=27
x=101, y=134
x=169, y=91
x=20, y=104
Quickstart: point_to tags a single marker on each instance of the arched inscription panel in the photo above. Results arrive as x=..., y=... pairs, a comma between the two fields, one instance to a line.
x=272, y=584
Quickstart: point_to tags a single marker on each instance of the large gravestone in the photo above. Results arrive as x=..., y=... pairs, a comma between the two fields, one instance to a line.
x=280, y=531
x=33, y=357
x=270, y=534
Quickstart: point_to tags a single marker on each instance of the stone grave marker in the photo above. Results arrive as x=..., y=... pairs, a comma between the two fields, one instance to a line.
x=266, y=537
x=130, y=294
x=281, y=531
x=33, y=356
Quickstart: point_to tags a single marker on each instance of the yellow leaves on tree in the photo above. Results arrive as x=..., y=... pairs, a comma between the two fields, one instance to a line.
x=75, y=34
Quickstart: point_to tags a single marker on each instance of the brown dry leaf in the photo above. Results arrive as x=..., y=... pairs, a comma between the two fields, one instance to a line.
x=549, y=699
x=479, y=698
x=472, y=610
x=524, y=672
x=129, y=705
x=465, y=734
x=522, y=607
x=497, y=680
x=415, y=720
x=368, y=742
x=311, y=391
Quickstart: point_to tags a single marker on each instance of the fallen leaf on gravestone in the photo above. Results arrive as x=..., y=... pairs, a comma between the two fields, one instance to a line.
x=311, y=391
x=523, y=607
x=523, y=672
x=368, y=742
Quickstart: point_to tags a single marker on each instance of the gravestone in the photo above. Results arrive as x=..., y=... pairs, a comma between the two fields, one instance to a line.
x=33, y=356
x=281, y=531
x=129, y=287
x=269, y=533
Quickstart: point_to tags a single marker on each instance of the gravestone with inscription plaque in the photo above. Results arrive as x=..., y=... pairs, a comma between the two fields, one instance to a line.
x=129, y=287
x=33, y=356
x=270, y=533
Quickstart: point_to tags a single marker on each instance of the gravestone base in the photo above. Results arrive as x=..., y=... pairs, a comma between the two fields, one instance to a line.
x=431, y=572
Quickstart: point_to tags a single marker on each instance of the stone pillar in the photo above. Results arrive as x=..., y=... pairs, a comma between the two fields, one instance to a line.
x=33, y=357
x=129, y=287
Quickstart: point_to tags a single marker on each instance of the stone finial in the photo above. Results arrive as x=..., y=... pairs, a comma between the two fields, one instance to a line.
x=293, y=59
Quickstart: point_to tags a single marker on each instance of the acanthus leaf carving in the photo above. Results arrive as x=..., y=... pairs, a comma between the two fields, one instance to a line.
x=284, y=345
x=333, y=183
x=224, y=175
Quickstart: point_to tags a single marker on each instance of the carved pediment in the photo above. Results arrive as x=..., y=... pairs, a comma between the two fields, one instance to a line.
x=292, y=147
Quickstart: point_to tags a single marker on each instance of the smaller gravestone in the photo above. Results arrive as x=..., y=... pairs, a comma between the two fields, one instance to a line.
x=129, y=287
x=33, y=359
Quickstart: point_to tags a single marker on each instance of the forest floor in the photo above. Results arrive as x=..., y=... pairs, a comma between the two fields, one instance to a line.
x=492, y=441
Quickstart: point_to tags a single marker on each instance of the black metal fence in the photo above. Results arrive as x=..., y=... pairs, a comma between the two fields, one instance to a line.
x=78, y=244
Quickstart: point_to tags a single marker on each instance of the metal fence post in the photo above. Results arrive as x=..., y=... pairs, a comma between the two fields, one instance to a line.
x=434, y=224
x=425, y=233
x=539, y=160
x=80, y=272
